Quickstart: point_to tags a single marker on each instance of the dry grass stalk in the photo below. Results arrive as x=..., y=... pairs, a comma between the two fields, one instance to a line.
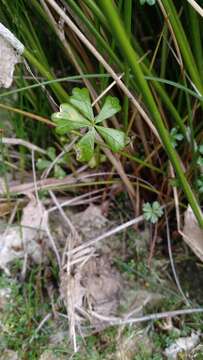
x=196, y=7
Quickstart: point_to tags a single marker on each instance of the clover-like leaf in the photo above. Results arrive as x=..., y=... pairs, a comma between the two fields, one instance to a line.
x=81, y=100
x=51, y=151
x=85, y=147
x=111, y=107
x=59, y=173
x=152, y=212
x=43, y=164
x=69, y=119
x=175, y=136
x=116, y=139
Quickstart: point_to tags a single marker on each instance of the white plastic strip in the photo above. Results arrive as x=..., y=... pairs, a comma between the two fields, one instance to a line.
x=11, y=39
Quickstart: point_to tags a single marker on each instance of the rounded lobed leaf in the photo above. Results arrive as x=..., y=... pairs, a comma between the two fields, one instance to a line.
x=111, y=107
x=81, y=100
x=116, y=139
x=69, y=119
x=85, y=147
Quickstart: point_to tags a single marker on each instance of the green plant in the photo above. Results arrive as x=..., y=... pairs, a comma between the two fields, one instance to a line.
x=149, y=2
x=43, y=164
x=199, y=163
x=171, y=94
x=160, y=63
x=26, y=307
x=200, y=184
x=78, y=114
x=175, y=137
x=118, y=31
x=200, y=157
x=152, y=212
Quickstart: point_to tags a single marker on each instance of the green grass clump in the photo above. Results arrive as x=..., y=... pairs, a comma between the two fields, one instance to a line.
x=21, y=316
x=153, y=120
x=169, y=86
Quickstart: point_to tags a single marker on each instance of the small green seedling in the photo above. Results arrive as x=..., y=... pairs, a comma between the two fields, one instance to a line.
x=175, y=136
x=152, y=212
x=200, y=165
x=78, y=115
x=200, y=184
x=200, y=157
x=200, y=149
x=200, y=161
x=43, y=164
x=149, y=2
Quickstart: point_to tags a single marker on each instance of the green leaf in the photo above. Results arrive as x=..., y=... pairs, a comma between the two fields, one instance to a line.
x=81, y=100
x=200, y=184
x=157, y=208
x=69, y=119
x=175, y=136
x=200, y=161
x=111, y=107
x=43, y=164
x=200, y=148
x=149, y=2
x=85, y=147
x=63, y=160
x=51, y=151
x=59, y=173
x=152, y=212
x=114, y=138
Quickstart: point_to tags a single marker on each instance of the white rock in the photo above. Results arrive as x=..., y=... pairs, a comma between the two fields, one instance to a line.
x=5, y=295
x=183, y=344
x=9, y=58
x=10, y=50
x=19, y=241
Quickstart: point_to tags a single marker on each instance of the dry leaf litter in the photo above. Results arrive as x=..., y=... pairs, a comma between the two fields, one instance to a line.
x=192, y=234
x=89, y=281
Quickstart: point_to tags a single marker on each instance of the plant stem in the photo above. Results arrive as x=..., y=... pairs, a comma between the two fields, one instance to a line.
x=57, y=88
x=127, y=20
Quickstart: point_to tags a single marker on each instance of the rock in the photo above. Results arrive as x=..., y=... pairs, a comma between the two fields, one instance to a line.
x=9, y=58
x=9, y=355
x=29, y=239
x=183, y=345
x=5, y=296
